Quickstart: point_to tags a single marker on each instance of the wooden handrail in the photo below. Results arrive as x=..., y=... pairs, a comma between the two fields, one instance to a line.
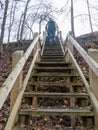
x=88, y=88
x=8, y=84
x=16, y=106
x=90, y=61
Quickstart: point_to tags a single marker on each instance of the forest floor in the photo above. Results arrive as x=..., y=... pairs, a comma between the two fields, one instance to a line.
x=5, y=69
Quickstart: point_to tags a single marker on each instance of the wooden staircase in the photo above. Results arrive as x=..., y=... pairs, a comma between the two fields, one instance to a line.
x=54, y=90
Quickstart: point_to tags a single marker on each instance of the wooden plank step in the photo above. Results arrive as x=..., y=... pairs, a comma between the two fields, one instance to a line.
x=68, y=112
x=56, y=46
x=53, y=47
x=56, y=95
x=53, y=68
x=52, y=56
x=53, y=75
x=49, y=51
x=53, y=63
x=53, y=52
x=51, y=60
x=55, y=84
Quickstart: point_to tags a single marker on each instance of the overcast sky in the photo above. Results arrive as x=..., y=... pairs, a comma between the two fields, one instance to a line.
x=81, y=23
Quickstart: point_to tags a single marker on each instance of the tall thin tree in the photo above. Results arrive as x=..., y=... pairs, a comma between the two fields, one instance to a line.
x=11, y=21
x=24, y=18
x=72, y=19
x=3, y=24
x=89, y=14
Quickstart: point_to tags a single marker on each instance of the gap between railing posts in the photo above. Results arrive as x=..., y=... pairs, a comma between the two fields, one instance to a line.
x=92, y=61
x=89, y=60
x=43, y=42
x=14, y=113
x=8, y=84
x=61, y=41
x=94, y=79
x=69, y=45
x=17, y=85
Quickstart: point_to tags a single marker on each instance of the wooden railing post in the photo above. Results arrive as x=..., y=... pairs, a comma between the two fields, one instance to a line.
x=17, y=86
x=94, y=79
x=72, y=100
x=70, y=46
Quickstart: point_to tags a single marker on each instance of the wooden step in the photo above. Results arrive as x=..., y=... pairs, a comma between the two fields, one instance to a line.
x=54, y=46
x=53, y=52
x=53, y=68
x=56, y=95
x=50, y=54
x=51, y=60
x=53, y=64
x=53, y=75
x=55, y=84
x=52, y=57
x=68, y=112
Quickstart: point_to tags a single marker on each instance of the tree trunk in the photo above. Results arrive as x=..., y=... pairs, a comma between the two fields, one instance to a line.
x=19, y=27
x=12, y=16
x=24, y=18
x=3, y=24
x=72, y=19
x=40, y=27
x=90, y=21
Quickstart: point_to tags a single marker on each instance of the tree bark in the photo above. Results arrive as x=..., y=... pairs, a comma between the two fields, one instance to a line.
x=12, y=17
x=72, y=19
x=24, y=18
x=3, y=24
x=18, y=32
x=90, y=20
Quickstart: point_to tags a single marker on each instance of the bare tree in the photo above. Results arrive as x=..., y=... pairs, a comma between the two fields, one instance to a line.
x=24, y=18
x=89, y=14
x=12, y=17
x=72, y=19
x=1, y=4
x=18, y=32
x=3, y=24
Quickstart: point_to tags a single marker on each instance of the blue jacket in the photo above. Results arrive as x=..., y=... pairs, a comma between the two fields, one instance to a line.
x=51, y=27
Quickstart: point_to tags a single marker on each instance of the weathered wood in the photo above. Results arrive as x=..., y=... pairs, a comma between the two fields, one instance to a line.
x=90, y=61
x=17, y=85
x=16, y=106
x=51, y=57
x=8, y=84
x=87, y=86
x=88, y=121
x=56, y=84
x=53, y=75
x=68, y=112
x=54, y=68
x=70, y=46
x=94, y=79
x=43, y=44
x=56, y=95
x=54, y=63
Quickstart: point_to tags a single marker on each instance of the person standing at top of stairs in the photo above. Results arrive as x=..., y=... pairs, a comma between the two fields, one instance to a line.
x=51, y=30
